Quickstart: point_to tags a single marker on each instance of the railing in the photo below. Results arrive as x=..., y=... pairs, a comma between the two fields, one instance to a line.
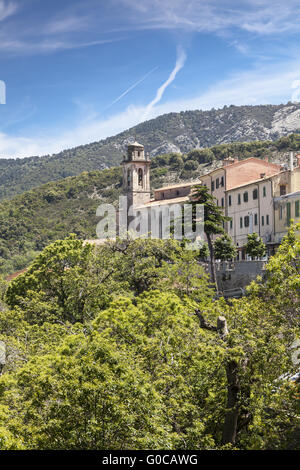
x=225, y=266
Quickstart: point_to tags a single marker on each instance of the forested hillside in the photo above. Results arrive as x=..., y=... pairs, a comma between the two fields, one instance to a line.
x=32, y=220
x=170, y=133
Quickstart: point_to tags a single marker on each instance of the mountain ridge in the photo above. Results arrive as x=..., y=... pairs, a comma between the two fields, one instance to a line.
x=168, y=133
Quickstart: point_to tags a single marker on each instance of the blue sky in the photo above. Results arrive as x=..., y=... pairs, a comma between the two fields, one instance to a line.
x=79, y=71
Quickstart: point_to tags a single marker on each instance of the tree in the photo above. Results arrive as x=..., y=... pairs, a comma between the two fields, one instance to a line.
x=201, y=155
x=51, y=279
x=176, y=161
x=214, y=220
x=191, y=165
x=281, y=285
x=70, y=281
x=86, y=395
x=255, y=247
x=184, y=276
x=255, y=367
x=224, y=248
x=204, y=252
x=148, y=360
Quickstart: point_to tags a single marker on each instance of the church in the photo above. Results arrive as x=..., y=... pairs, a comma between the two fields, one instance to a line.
x=150, y=215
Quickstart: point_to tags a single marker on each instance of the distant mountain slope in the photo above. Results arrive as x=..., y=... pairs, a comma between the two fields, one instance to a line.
x=32, y=220
x=173, y=132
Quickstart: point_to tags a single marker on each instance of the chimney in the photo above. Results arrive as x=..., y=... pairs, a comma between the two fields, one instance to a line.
x=291, y=161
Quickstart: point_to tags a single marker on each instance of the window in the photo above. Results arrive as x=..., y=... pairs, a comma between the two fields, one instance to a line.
x=231, y=224
x=222, y=181
x=140, y=173
x=282, y=190
x=239, y=198
x=128, y=177
x=280, y=212
x=262, y=220
x=264, y=191
x=255, y=194
x=241, y=222
x=267, y=219
x=288, y=214
x=255, y=219
x=217, y=183
x=229, y=200
x=246, y=221
x=212, y=185
x=297, y=208
x=139, y=153
x=245, y=196
x=222, y=202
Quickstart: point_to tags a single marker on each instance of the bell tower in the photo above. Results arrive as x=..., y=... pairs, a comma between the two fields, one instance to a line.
x=136, y=175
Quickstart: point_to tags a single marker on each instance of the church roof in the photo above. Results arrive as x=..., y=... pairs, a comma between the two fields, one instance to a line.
x=179, y=185
x=163, y=202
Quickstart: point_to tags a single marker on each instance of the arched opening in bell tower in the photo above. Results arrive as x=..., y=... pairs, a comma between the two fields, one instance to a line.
x=140, y=177
x=128, y=178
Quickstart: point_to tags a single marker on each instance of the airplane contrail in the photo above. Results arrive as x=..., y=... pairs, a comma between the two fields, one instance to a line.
x=181, y=57
x=131, y=87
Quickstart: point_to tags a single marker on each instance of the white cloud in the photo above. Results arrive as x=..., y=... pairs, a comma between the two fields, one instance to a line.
x=96, y=21
x=259, y=16
x=7, y=9
x=266, y=85
x=47, y=45
x=67, y=25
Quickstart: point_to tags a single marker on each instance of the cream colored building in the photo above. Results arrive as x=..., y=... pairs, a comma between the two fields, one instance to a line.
x=245, y=189
x=286, y=208
x=251, y=207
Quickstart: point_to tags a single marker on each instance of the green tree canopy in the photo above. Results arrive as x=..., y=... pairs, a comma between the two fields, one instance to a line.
x=224, y=248
x=255, y=247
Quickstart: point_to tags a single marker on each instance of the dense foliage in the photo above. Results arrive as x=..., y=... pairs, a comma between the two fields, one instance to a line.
x=224, y=248
x=119, y=347
x=255, y=247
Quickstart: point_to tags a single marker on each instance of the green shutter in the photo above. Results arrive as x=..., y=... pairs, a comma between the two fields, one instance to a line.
x=297, y=208
x=288, y=214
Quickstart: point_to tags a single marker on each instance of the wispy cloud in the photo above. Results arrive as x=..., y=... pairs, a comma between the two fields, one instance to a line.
x=259, y=16
x=181, y=57
x=67, y=25
x=90, y=22
x=131, y=88
x=7, y=9
x=71, y=28
x=46, y=46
